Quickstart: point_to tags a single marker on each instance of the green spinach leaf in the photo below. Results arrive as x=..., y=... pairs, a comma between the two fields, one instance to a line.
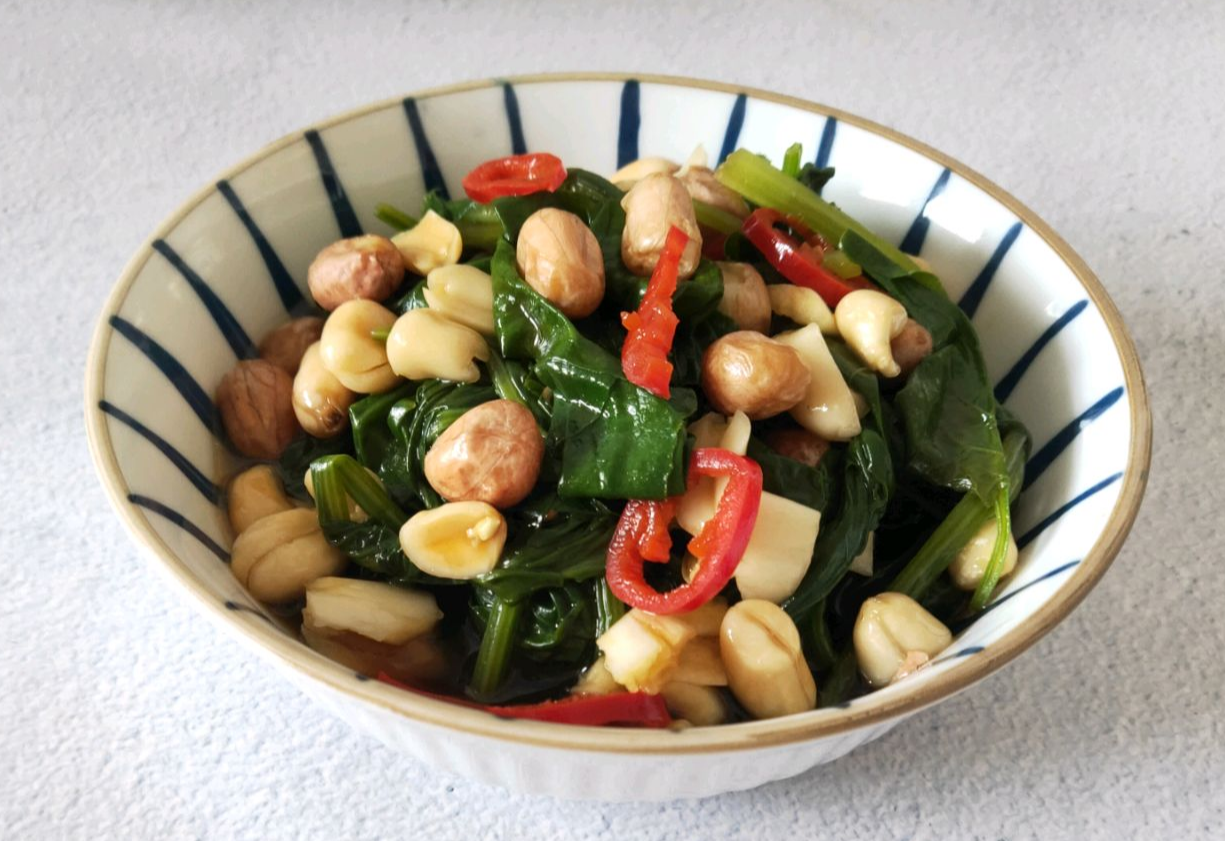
x=617, y=441
x=415, y=425
x=517, y=381
x=867, y=485
x=947, y=407
x=372, y=436
x=952, y=437
x=303, y=450
x=585, y=194
x=815, y=177
x=373, y=544
x=413, y=298
x=528, y=326
x=817, y=487
x=569, y=549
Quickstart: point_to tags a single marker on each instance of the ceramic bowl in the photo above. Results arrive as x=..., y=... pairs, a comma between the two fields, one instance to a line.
x=230, y=264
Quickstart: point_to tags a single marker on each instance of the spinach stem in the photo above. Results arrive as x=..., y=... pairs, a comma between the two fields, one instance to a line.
x=508, y=387
x=715, y=218
x=966, y=518
x=394, y=217
x=480, y=227
x=336, y=477
x=493, y=659
x=991, y=575
x=840, y=683
x=329, y=493
x=608, y=607
x=791, y=160
x=821, y=644
x=840, y=264
x=934, y=557
x=758, y=181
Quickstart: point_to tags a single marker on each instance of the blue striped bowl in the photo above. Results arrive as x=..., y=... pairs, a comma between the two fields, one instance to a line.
x=231, y=264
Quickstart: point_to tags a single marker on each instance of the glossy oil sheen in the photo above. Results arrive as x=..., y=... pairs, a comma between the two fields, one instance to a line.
x=232, y=265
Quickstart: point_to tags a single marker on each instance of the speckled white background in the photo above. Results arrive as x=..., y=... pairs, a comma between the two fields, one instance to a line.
x=124, y=714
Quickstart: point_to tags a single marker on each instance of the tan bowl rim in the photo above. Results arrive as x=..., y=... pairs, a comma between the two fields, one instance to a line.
x=289, y=653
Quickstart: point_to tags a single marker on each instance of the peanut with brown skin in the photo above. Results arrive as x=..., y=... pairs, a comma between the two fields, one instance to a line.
x=702, y=185
x=798, y=444
x=748, y=372
x=653, y=207
x=255, y=400
x=285, y=345
x=369, y=267
x=745, y=297
x=492, y=454
x=560, y=258
x=911, y=346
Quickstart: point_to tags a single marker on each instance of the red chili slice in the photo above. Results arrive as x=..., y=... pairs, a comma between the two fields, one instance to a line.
x=718, y=547
x=798, y=260
x=630, y=709
x=515, y=175
x=651, y=329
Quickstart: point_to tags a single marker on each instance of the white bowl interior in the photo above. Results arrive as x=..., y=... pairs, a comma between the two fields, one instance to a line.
x=233, y=264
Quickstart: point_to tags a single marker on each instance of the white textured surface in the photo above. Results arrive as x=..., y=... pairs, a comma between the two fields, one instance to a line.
x=127, y=714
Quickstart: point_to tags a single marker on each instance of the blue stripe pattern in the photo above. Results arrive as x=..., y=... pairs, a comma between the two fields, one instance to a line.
x=346, y=219
x=1046, y=576
x=180, y=521
x=974, y=295
x=518, y=144
x=627, y=151
x=195, y=396
x=1043, y=458
x=1027, y=538
x=734, y=124
x=237, y=338
x=631, y=119
x=826, y=144
x=242, y=608
x=1010, y=381
x=959, y=653
x=291, y=296
x=430, y=171
x=194, y=474
x=912, y=243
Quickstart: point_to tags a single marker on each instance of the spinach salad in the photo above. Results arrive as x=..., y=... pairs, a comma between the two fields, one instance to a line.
x=682, y=446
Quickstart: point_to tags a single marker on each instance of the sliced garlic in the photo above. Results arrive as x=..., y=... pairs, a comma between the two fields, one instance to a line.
x=863, y=562
x=640, y=649
x=700, y=501
x=828, y=408
x=780, y=549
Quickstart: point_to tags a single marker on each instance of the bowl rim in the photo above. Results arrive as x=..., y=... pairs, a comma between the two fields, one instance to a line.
x=293, y=655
